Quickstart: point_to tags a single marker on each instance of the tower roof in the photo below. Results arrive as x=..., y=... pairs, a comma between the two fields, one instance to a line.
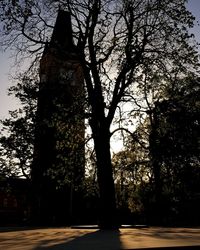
x=62, y=38
x=62, y=33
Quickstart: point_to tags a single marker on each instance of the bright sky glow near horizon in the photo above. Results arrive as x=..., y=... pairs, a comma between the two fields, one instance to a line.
x=10, y=103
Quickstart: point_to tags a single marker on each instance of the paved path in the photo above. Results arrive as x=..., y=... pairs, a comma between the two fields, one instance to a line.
x=94, y=239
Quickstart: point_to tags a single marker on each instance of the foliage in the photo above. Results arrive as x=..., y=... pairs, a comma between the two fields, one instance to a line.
x=17, y=133
x=175, y=131
x=125, y=47
x=177, y=146
x=132, y=172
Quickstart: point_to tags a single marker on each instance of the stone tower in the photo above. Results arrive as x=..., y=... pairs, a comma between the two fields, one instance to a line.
x=58, y=165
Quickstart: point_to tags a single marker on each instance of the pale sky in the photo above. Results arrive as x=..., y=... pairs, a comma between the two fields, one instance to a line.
x=9, y=103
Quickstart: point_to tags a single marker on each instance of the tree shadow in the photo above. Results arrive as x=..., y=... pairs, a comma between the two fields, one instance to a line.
x=98, y=240
x=18, y=228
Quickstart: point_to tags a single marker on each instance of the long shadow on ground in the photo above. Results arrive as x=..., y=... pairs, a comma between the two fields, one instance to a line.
x=19, y=228
x=98, y=240
x=89, y=239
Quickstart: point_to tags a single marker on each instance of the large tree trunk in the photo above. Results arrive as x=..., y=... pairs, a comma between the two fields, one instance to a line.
x=108, y=216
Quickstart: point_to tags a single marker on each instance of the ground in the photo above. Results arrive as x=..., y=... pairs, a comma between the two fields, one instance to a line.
x=94, y=239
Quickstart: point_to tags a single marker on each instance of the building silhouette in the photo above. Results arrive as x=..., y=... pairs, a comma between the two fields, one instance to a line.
x=58, y=165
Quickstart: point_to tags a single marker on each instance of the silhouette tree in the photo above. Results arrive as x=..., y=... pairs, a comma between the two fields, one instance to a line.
x=17, y=132
x=118, y=41
x=174, y=147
